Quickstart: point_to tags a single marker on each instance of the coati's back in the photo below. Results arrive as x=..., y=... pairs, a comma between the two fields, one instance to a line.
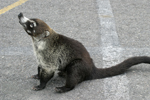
x=73, y=51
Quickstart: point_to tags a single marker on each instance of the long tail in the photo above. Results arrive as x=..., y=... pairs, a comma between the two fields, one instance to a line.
x=120, y=68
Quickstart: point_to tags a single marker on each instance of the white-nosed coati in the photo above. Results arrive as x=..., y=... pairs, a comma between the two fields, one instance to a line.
x=58, y=52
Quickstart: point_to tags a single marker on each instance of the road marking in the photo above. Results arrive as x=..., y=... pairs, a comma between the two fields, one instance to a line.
x=115, y=88
x=16, y=51
x=5, y=51
x=5, y=9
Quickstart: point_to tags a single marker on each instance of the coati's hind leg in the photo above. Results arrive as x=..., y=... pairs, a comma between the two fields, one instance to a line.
x=45, y=76
x=37, y=76
x=71, y=82
x=73, y=77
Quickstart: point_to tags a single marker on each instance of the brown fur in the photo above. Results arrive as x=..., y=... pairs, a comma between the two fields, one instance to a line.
x=58, y=52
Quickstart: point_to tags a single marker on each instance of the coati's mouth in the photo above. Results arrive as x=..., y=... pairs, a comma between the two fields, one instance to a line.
x=22, y=20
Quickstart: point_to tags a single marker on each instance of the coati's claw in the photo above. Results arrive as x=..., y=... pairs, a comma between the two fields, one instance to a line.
x=35, y=76
x=62, y=89
x=58, y=90
x=37, y=88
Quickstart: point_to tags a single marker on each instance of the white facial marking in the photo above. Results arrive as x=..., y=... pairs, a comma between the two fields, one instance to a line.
x=33, y=31
x=28, y=31
x=31, y=25
x=24, y=19
x=34, y=24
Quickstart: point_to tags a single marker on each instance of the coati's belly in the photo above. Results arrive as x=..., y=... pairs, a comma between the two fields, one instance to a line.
x=47, y=61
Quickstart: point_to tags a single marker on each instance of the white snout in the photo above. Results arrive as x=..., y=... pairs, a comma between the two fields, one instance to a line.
x=24, y=19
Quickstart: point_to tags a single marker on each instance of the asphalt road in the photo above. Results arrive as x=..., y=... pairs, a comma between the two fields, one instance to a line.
x=111, y=30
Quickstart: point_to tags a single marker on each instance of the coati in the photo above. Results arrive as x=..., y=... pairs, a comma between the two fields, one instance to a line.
x=57, y=52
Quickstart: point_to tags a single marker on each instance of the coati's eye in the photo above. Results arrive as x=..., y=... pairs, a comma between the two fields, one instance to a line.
x=32, y=24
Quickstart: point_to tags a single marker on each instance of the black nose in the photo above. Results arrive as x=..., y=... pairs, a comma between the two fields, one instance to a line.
x=20, y=15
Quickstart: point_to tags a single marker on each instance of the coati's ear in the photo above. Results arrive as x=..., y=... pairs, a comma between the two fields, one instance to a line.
x=46, y=33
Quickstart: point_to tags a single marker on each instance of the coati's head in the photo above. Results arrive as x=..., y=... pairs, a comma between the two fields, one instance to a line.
x=34, y=27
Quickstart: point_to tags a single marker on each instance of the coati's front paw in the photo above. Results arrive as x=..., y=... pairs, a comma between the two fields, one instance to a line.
x=36, y=88
x=62, y=89
x=35, y=76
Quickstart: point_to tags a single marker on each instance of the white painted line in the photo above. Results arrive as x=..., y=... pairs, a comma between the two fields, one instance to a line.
x=115, y=88
x=29, y=51
x=16, y=51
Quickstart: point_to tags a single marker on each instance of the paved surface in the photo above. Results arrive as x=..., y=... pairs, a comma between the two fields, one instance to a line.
x=111, y=30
